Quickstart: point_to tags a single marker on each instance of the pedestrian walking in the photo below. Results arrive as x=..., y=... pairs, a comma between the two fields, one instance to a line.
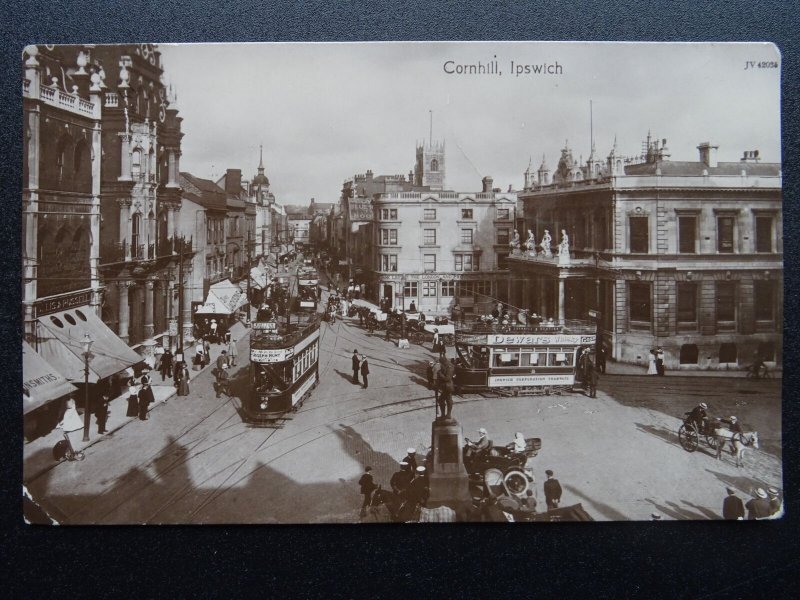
x=600, y=357
x=166, y=364
x=222, y=360
x=436, y=340
x=552, y=490
x=660, y=361
x=71, y=422
x=758, y=506
x=651, y=363
x=233, y=352
x=214, y=327
x=223, y=381
x=356, y=364
x=367, y=487
x=133, y=399
x=207, y=352
x=101, y=411
x=182, y=374
x=732, y=506
x=146, y=397
x=364, y=371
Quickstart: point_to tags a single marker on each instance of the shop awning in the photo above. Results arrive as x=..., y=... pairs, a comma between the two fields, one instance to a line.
x=59, y=340
x=258, y=278
x=224, y=298
x=41, y=383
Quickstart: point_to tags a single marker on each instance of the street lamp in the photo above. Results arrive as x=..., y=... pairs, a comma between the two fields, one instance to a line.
x=86, y=344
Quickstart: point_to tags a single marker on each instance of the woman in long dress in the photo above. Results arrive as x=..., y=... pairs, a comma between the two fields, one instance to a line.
x=72, y=421
x=183, y=380
x=651, y=365
x=133, y=399
x=146, y=397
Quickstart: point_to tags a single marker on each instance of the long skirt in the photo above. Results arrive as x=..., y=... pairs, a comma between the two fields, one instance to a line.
x=133, y=406
x=143, y=404
x=651, y=367
x=183, y=387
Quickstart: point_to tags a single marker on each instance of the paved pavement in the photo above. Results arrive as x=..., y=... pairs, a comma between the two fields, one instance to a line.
x=195, y=461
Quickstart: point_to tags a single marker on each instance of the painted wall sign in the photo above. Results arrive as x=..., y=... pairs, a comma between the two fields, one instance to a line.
x=59, y=303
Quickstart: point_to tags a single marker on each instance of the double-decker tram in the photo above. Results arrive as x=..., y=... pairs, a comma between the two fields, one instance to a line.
x=307, y=287
x=284, y=366
x=514, y=359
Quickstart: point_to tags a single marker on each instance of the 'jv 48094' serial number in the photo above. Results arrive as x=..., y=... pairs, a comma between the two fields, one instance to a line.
x=763, y=64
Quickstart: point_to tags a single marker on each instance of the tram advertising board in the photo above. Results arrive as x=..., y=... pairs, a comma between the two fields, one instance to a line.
x=532, y=339
x=516, y=380
x=259, y=355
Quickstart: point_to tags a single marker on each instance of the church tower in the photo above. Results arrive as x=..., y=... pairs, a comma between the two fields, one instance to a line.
x=429, y=168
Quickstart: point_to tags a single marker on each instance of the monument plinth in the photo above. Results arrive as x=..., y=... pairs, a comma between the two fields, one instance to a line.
x=449, y=481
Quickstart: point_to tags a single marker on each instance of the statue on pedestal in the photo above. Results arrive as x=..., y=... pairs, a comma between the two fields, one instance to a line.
x=514, y=244
x=530, y=243
x=563, y=247
x=546, y=239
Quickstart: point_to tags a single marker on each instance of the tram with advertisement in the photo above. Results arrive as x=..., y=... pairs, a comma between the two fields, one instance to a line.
x=284, y=367
x=307, y=287
x=517, y=359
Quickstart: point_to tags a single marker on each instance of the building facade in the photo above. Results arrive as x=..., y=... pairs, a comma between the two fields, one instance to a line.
x=62, y=103
x=682, y=255
x=436, y=248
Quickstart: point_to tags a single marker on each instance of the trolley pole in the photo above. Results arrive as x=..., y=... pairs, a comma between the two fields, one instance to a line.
x=249, y=266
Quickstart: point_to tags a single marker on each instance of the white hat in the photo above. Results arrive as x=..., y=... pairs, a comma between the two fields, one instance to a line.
x=482, y=430
x=403, y=463
x=420, y=469
x=761, y=493
x=411, y=450
x=733, y=418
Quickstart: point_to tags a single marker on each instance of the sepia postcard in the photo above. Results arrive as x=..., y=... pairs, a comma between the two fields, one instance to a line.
x=517, y=282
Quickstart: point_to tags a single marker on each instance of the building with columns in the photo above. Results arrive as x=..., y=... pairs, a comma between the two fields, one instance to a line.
x=141, y=198
x=682, y=254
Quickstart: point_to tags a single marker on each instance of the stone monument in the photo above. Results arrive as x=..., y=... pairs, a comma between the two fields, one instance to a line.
x=449, y=481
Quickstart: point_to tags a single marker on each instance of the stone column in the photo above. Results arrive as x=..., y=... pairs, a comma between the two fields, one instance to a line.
x=171, y=208
x=124, y=310
x=124, y=225
x=125, y=156
x=543, y=284
x=148, y=309
x=561, y=295
x=449, y=482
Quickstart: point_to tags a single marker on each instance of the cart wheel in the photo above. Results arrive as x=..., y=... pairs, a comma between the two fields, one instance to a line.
x=688, y=438
x=712, y=441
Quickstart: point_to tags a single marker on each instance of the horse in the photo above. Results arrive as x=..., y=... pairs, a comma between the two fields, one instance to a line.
x=740, y=442
x=400, y=510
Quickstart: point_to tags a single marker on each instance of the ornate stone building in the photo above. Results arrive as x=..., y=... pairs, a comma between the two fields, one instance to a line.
x=686, y=255
x=141, y=197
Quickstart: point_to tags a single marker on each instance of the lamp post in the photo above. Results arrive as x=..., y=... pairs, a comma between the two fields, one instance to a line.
x=86, y=344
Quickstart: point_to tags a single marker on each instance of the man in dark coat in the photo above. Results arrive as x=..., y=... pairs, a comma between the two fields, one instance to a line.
x=401, y=479
x=367, y=487
x=758, y=507
x=166, y=364
x=732, y=506
x=418, y=489
x=356, y=366
x=411, y=459
x=552, y=490
x=446, y=385
x=600, y=357
x=101, y=411
x=364, y=371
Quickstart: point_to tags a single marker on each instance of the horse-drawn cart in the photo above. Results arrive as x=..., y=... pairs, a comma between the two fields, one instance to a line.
x=690, y=434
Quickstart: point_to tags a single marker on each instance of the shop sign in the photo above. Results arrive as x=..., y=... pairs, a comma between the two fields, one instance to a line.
x=64, y=302
x=173, y=326
x=265, y=325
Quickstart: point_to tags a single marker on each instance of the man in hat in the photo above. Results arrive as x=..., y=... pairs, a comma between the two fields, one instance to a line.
x=233, y=352
x=214, y=330
x=356, y=364
x=364, y=371
x=367, y=487
x=401, y=479
x=552, y=490
x=446, y=386
x=775, y=502
x=660, y=360
x=411, y=459
x=733, y=425
x=475, y=449
x=698, y=416
x=758, y=506
x=417, y=492
x=732, y=506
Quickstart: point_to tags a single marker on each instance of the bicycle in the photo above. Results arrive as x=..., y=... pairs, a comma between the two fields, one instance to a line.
x=64, y=450
x=758, y=371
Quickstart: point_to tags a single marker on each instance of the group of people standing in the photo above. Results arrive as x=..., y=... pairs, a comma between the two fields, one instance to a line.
x=655, y=365
x=360, y=365
x=764, y=504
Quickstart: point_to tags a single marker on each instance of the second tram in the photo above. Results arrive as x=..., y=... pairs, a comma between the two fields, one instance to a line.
x=520, y=359
x=308, y=287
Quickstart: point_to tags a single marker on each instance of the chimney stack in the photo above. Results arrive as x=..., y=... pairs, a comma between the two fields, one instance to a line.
x=487, y=184
x=708, y=154
x=750, y=156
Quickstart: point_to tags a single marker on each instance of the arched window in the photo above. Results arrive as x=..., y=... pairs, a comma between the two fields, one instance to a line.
x=136, y=164
x=434, y=165
x=136, y=225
